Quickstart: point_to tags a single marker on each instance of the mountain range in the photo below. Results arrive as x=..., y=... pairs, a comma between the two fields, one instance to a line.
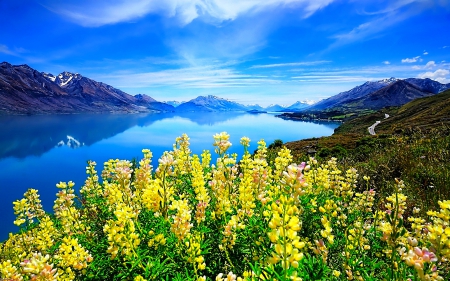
x=24, y=90
x=379, y=94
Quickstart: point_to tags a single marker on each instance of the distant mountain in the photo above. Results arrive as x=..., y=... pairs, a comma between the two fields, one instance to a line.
x=254, y=107
x=24, y=90
x=210, y=103
x=274, y=108
x=356, y=92
x=298, y=106
x=173, y=103
x=152, y=104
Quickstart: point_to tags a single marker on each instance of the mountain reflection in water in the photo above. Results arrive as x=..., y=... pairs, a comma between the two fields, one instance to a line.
x=23, y=136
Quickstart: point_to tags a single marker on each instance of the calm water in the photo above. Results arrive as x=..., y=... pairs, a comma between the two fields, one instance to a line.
x=40, y=151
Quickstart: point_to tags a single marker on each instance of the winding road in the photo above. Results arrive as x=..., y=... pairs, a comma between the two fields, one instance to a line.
x=372, y=128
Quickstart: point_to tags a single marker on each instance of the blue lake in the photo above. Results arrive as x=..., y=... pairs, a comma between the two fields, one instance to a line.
x=40, y=151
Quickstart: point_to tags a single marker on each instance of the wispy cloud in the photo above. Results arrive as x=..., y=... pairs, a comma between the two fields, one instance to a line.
x=226, y=75
x=411, y=60
x=97, y=13
x=386, y=62
x=6, y=50
x=190, y=77
x=332, y=78
x=289, y=64
x=425, y=53
x=381, y=20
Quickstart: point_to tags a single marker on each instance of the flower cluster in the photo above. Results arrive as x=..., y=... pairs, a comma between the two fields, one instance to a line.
x=284, y=225
x=258, y=217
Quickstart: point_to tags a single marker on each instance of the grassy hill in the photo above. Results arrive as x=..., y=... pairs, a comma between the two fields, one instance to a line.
x=424, y=114
x=413, y=144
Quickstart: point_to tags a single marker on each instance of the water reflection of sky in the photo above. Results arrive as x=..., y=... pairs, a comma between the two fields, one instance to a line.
x=31, y=158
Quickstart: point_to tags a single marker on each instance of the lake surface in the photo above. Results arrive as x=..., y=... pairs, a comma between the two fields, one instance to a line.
x=40, y=151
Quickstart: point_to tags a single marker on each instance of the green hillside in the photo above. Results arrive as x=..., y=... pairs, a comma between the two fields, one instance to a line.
x=424, y=114
x=412, y=144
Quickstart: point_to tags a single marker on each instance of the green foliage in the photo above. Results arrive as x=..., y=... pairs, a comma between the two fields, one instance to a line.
x=263, y=218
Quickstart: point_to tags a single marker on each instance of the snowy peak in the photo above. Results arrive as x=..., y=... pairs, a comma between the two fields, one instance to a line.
x=275, y=107
x=27, y=91
x=209, y=98
x=254, y=107
x=49, y=76
x=64, y=78
x=388, y=80
x=210, y=103
x=173, y=103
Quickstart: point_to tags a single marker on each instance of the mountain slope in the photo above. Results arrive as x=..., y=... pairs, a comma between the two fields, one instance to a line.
x=357, y=92
x=152, y=104
x=210, y=103
x=428, y=85
x=423, y=113
x=342, y=100
x=24, y=90
x=395, y=94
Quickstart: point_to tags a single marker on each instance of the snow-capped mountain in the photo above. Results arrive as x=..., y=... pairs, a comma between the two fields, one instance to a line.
x=173, y=103
x=298, y=105
x=254, y=107
x=395, y=94
x=356, y=92
x=275, y=108
x=210, y=103
x=25, y=90
x=382, y=93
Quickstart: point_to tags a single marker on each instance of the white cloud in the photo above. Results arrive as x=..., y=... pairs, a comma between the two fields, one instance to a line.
x=411, y=60
x=425, y=53
x=430, y=64
x=386, y=62
x=306, y=63
x=97, y=13
x=439, y=75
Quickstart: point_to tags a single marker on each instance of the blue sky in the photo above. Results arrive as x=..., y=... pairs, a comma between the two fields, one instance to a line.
x=249, y=51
